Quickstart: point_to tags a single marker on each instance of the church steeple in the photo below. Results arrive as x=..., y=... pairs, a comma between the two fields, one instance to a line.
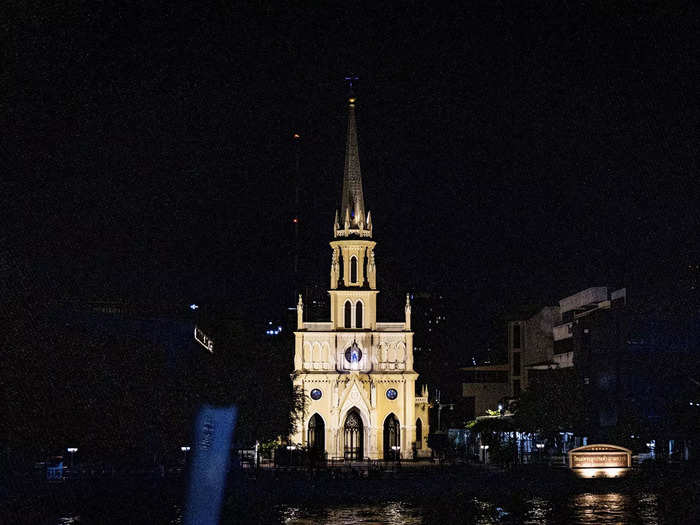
x=352, y=211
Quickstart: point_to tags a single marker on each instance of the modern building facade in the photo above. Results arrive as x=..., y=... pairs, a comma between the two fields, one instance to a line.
x=357, y=373
x=538, y=342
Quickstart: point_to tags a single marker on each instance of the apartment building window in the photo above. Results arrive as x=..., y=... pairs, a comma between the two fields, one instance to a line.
x=516, y=336
x=516, y=363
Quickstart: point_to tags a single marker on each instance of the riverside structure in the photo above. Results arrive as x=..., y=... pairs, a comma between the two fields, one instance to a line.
x=356, y=372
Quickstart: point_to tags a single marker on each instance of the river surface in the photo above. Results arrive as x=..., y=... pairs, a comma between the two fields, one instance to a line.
x=448, y=497
x=585, y=508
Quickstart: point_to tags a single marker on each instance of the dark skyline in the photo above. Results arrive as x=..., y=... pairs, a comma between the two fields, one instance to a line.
x=508, y=156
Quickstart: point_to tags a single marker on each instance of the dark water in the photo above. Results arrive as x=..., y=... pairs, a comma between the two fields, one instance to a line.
x=585, y=508
x=448, y=497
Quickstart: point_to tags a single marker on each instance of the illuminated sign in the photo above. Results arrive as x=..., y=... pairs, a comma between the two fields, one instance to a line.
x=600, y=461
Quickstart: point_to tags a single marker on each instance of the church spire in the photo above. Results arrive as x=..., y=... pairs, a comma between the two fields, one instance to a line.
x=353, y=202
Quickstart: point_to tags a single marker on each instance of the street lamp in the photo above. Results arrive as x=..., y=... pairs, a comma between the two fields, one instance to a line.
x=291, y=449
x=440, y=407
x=539, y=446
x=484, y=449
x=396, y=449
x=72, y=450
x=185, y=449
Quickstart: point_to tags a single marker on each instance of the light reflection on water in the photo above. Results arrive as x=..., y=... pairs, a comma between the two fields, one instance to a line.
x=390, y=513
x=614, y=508
x=587, y=508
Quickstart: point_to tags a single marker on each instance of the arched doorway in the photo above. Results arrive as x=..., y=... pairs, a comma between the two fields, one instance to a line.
x=392, y=438
x=316, y=435
x=353, y=431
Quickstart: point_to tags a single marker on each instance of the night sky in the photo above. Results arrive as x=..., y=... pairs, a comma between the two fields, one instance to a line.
x=509, y=156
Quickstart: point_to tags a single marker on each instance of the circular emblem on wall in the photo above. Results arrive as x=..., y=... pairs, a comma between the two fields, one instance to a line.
x=316, y=394
x=353, y=354
x=392, y=393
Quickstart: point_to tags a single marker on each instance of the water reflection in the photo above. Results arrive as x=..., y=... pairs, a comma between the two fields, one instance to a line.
x=586, y=508
x=538, y=512
x=614, y=508
x=390, y=513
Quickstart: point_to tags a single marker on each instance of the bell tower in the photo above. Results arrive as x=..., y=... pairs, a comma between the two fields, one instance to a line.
x=353, y=291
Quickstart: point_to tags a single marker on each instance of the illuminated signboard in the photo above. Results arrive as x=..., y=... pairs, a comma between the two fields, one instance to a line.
x=600, y=461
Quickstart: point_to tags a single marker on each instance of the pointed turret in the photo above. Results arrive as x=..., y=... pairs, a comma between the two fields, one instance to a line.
x=353, y=199
x=353, y=202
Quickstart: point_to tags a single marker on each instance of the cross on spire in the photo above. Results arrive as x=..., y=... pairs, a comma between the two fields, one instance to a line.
x=350, y=80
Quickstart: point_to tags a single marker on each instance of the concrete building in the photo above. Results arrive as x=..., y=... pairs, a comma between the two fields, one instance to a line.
x=356, y=372
x=537, y=342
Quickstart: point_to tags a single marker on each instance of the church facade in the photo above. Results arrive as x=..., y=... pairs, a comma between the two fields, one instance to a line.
x=357, y=373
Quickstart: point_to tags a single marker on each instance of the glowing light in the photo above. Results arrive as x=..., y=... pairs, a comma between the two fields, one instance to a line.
x=295, y=220
x=193, y=306
x=607, y=472
x=72, y=450
x=296, y=136
x=352, y=101
x=185, y=449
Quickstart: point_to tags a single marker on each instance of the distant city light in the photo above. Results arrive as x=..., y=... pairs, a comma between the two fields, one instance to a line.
x=193, y=306
x=296, y=136
x=72, y=450
x=273, y=331
x=295, y=220
x=185, y=449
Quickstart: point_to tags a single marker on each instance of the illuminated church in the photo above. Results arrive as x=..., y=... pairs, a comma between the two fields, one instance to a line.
x=357, y=373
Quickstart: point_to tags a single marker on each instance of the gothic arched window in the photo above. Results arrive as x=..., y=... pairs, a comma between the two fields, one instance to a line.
x=419, y=433
x=358, y=314
x=353, y=269
x=348, y=314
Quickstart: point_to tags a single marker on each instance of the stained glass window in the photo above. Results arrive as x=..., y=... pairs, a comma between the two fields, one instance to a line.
x=353, y=354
